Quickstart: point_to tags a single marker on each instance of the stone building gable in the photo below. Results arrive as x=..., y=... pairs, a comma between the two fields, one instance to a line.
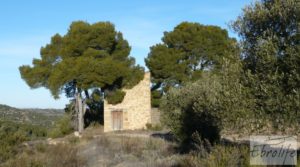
x=135, y=110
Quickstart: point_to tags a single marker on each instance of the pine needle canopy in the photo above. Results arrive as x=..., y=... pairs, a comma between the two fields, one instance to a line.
x=88, y=56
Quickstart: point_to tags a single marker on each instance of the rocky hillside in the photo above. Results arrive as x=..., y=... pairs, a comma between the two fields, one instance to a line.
x=43, y=117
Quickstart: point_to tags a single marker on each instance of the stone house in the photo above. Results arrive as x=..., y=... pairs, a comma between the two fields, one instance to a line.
x=134, y=112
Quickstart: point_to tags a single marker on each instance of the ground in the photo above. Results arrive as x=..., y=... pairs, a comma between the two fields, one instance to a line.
x=95, y=149
x=124, y=149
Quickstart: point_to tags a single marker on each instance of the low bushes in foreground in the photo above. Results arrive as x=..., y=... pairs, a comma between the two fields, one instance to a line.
x=41, y=155
x=62, y=127
x=12, y=134
x=112, y=150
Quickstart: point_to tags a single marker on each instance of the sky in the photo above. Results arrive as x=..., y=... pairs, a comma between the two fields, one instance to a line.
x=26, y=26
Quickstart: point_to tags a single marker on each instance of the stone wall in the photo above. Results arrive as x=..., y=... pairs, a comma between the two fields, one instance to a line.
x=136, y=107
x=155, y=116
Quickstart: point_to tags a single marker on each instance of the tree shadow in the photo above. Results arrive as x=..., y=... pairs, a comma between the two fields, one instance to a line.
x=94, y=115
x=167, y=136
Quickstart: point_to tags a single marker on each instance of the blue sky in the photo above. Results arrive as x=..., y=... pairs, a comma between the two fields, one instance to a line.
x=27, y=25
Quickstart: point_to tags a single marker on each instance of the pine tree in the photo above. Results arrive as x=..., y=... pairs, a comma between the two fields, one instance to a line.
x=89, y=58
x=186, y=53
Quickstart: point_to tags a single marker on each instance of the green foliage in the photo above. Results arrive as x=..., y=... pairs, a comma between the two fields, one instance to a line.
x=61, y=155
x=134, y=77
x=62, y=127
x=115, y=97
x=94, y=115
x=12, y=134
x=186, y=52
x=39, y=117
x=259, y=93
x=271, y=43
x=156, y=97
x=73, y=140
x=192, y=109
x=221, y=156
x=89, y=56
x=155, y=127
x=216, y=102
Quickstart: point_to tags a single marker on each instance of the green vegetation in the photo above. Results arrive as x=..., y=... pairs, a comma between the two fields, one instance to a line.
x=218, y=155
x=62, y=127
x=113, y=150
x=271, y=61
x=258, y=93
x=204, y=82
x=40, y=117
x=13, y=134
x=89, y=58
x=205, y=107
x=186, y=52
x=115, y=97
x=28, y=125
x=155, y=98
x=42, y=155
x=154, y=127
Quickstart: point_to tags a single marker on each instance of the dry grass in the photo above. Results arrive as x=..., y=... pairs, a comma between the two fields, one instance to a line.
x=41, y=155
x=123, y=151
x=129, y=151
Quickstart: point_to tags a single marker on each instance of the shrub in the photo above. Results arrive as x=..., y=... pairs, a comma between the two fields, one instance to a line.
x=12, y=134
x=193, y=109
x=23, y=160
x=155, y=127
x=205, y=107
x=129, y=145
x=115, y=97
x=41, y=147
x=221, y=156
x=62, y=127
x=73, y=140
x=61, y=155
x=155, y=98
x=65, y=156
x=103, y=141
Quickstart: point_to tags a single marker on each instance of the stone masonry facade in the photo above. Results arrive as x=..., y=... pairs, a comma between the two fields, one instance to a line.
x=134, y=112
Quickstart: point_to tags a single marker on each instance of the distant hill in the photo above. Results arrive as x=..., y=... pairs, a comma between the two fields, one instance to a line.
x=43, y=117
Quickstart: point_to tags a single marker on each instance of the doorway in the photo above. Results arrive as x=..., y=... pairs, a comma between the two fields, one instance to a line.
x=117, y=119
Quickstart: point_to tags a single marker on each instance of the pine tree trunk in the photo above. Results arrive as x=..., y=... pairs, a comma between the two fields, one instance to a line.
x=84, y=105
x=80, y=113
x=76, y=114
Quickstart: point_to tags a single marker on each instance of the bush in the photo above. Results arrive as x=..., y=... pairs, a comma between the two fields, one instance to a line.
x=61, y=155
x=155, y=127
x=62, y=127
x=221, y=156
x=205, y=107
x=23, y=160
x=64, y=156
x=115, y=97
x=230, y=101
x=155, y=98
x=12, y=134
x=193, y=109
